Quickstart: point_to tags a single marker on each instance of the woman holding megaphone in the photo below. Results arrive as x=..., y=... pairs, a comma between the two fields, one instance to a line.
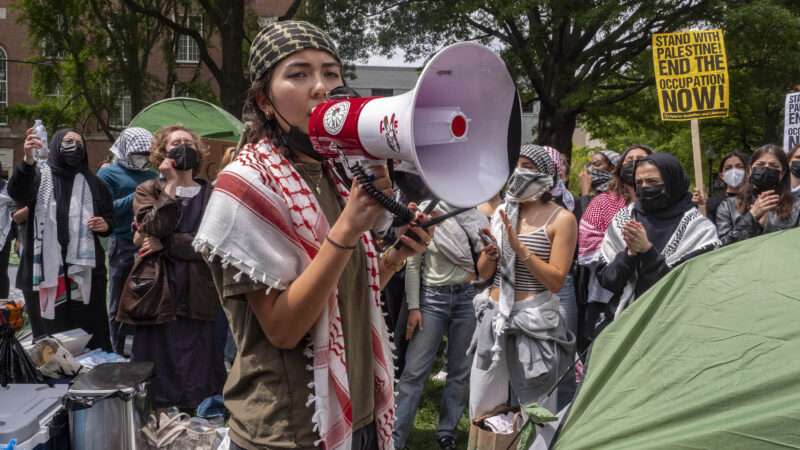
x=521, y=338
x=296, y=267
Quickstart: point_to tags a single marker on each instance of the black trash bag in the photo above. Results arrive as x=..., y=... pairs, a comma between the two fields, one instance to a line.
x=16, y=366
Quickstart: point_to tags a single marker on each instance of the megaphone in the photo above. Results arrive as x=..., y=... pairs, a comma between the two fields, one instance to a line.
x=460, y=126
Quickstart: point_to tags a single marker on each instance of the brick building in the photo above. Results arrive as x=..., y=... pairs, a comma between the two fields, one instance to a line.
x=16, y=76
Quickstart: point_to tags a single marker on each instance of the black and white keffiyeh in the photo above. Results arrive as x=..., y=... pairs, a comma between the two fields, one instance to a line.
x=79, y=257
x=693, y=234
x=132, y=141
x=525, y=185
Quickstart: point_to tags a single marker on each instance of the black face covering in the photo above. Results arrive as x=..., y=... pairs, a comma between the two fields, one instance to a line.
x=626, y=173
x=185, y=157
x=660, y=208
x=795, y=168
x=299, y=141
x=652, y=198
x=72, y=154
x=764, y=178
x=600, y=179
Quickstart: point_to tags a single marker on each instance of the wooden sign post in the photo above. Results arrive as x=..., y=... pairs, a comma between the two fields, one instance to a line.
x=691, y=70
x=697, y=156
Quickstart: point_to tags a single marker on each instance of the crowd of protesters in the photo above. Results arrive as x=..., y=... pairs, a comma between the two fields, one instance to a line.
x=279, y=255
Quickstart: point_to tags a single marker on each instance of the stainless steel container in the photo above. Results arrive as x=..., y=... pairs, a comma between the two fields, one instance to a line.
x=108, y=406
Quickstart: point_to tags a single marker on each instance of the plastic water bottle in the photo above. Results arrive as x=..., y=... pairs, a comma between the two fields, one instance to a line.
x=41, y=132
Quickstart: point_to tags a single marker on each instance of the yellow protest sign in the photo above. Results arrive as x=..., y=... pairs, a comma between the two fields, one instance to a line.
x=691, y=74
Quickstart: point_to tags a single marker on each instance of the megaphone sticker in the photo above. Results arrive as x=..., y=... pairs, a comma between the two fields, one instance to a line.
x=388, y=128
x=334, y=118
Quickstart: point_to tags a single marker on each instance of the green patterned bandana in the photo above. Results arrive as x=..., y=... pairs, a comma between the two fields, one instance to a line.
x=280, y=39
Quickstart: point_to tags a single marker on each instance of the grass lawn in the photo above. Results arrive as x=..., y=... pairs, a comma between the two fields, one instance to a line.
x=423, y=436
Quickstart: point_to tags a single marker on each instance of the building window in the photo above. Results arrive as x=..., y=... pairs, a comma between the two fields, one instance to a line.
x=121, y=114
x=188, y=52
x=180, y=90
x=381, y=92
x=50, y=48
x=54, y=91
x=3, y=87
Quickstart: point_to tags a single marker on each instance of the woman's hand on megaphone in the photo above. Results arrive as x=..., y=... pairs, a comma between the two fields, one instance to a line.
x=418, y=244
x=361, y=211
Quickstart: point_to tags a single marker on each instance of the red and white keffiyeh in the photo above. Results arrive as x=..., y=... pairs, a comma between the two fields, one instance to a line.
x=263, y=219
x=594, y=223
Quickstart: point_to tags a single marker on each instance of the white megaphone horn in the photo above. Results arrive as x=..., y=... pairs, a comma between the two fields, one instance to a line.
x=460, y=126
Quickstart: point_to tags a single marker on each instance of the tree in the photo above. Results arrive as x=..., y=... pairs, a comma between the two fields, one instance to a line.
x=93, y=51
x=759, y=39
x=224, y=17
x=564, y=53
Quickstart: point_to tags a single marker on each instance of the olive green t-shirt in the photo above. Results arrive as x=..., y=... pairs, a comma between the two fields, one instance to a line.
x=267, y=388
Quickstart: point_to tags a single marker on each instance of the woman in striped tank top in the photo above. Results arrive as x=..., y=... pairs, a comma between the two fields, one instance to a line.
x=521, y=338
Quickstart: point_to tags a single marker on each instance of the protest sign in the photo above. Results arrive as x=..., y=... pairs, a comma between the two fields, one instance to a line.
x=691, y=70
x=691, y=74
x=791, y=122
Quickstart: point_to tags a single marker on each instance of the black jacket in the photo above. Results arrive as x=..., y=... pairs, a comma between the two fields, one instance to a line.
x=647, y=267
x=745, y=226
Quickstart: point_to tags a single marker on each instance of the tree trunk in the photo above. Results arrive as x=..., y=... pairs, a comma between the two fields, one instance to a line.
x=233, y=85
x=556, y=128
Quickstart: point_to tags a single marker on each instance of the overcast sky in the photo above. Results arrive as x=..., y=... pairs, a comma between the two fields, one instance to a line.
x=396, y=61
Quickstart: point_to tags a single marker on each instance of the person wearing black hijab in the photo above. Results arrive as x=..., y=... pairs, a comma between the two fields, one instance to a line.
x=659, y=231
x=66, y=160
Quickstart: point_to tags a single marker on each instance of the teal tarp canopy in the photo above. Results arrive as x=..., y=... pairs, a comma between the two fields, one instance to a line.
x=207, y=120
x=706, y=359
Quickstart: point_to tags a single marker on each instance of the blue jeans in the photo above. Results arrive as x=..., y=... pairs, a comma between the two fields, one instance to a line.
x=445, y=309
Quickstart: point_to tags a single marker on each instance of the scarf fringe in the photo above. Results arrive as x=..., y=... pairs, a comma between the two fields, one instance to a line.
x=205, y=248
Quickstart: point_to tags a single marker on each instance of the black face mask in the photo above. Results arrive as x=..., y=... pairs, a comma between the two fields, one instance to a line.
x=764, y=178
x=795, y=167
x=299, y=141
x=627, y=173
x=185, y=157
x=652, y=198
x=72, y=154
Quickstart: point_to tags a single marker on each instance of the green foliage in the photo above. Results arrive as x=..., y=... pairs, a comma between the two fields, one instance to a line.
x=55, y=113
x=94, y=52
x=580, y=157
x=536, y=415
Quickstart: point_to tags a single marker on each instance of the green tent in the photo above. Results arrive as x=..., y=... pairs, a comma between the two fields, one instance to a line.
x=207, y=120
x=706, y=359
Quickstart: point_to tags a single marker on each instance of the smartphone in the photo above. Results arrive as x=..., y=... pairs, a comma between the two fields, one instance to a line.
x=487, y=238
